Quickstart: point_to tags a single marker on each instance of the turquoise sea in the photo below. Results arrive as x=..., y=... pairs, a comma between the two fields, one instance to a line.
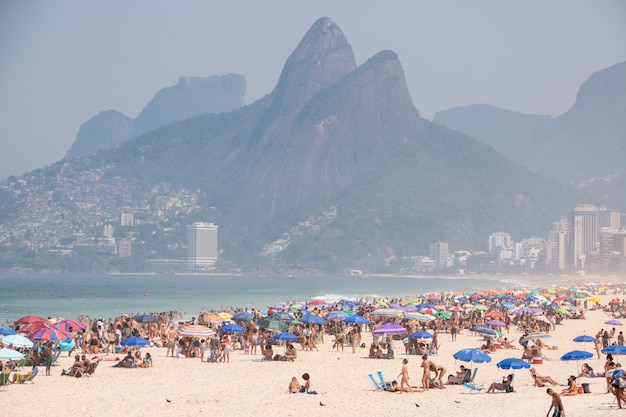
x=104, y=296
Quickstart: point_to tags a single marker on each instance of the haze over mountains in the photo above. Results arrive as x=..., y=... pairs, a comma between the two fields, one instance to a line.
x=584, y=147
x=334, y=169
x=192, y=96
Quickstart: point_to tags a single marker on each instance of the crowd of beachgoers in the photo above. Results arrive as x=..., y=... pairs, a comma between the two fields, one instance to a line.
x=522, y=320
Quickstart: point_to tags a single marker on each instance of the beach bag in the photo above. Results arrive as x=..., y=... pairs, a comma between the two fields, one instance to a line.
x=586, y=389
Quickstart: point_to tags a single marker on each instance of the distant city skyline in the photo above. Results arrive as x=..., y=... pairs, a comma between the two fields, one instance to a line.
x=66, y=61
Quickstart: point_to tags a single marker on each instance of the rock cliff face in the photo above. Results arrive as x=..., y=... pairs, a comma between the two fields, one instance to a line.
x=103, y=131
x=192, y=96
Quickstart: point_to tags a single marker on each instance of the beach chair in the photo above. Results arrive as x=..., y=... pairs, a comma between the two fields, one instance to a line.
x=473, y=387
x=21, y=379
x=378, y=387
x=382, y=385
x=4, y=380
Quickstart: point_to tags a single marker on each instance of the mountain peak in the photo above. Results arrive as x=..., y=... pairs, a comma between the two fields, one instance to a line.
x=321, y=58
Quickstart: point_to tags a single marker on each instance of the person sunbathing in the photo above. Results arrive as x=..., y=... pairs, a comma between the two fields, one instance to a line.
x=505, y=385
x=268, y=353
x=459, y=378
x=572, y=388
x=540, y=380
x=586, y=371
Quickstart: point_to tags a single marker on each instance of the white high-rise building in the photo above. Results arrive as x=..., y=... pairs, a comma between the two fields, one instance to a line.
x=584, y=221
x=500, y=240
x=201, y=246
x=439, y=254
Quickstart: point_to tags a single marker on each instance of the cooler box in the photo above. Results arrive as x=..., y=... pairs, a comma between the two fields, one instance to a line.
x=537, y=361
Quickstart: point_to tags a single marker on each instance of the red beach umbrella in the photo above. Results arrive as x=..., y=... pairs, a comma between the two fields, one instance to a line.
x=50, y=333
x=30, y=319
x=494, y=315
x=34, y=326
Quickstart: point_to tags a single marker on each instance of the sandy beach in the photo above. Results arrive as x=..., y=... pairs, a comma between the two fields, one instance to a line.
x=247, y=386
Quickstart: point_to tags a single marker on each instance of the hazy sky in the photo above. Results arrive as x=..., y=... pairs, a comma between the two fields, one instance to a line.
x=65, y=61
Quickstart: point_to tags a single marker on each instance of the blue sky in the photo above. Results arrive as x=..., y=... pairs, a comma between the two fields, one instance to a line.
x=64, y=61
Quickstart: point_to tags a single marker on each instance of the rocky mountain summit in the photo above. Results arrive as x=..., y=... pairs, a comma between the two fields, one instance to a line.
x=192, y=96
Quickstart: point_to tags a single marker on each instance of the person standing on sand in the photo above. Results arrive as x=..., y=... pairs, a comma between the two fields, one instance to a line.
x=426, y=364
x=171, y=341
x=404, y=373
x=556, y=403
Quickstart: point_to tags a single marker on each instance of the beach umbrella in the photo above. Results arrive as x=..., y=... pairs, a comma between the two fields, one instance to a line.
x=194, y=330
x=33, y=326
x=70, y=325
x=389, y=328
x=472, y=355
x=5, y=331
x=615, y=350
x=563, y=311
x=17, y=340
x=495, y=323
x=418, y=317
x=10, y=354
x=232, y=328
x=480, y=307
x=285, y=337
x=31, y=319
x=513, y=363
x=312, y=319
x=615, y=301
x=443, y=315
x=335, y=315
x=356, y=320
x=494, y=315
x=243, y=316
x=386, y=312
x=146, y=318
x=420, y=334
x=480, y=328
x=50, y=333
x=317, y=302
x=272, y=323
x=595, y=299
x=576, y=355
x=613, y=322
x=584, y=338
x=284, y=315
x=135, y=342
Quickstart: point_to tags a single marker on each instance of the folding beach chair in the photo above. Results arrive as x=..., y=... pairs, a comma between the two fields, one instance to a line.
x=382, y=385
x=473, y=387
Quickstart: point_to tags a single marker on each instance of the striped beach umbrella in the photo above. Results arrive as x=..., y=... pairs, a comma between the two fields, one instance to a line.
x=70, y=325
x=50, y=333
x=196, y=331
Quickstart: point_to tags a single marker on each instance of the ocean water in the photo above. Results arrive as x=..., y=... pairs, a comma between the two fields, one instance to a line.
x=104, y=296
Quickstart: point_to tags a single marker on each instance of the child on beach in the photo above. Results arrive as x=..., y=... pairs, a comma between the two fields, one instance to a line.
x=294, y=386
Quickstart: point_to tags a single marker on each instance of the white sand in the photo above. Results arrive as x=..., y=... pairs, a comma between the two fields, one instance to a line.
x=246, y=387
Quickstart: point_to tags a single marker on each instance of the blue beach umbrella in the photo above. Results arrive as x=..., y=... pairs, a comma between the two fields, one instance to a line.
x=576, y=355
x=615, y=350
x=146, y=318
x=232, y=328
x=243, y=316
x=513, y=363
x=135, y=342
x=356, y=320
x=420, y=334
x=480, y=328
x=285, y=337
x=336, y=315
x=312, y=319
x=6, y=331
x=472, y=355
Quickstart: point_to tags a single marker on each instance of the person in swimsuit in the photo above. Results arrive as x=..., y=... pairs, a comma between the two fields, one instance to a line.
x=556, y=404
